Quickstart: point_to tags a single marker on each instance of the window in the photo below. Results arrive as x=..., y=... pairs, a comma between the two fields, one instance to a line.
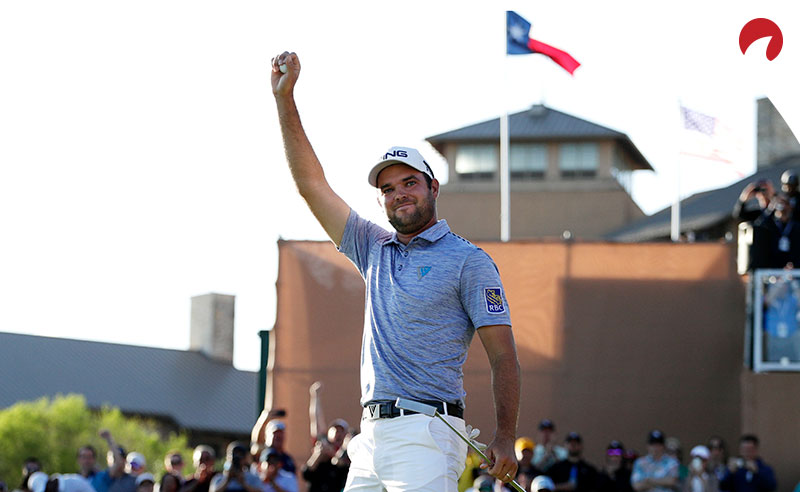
x=528, y=160
x=622, y=171
x=775, y=330
x=476, y=161
x=577, y=160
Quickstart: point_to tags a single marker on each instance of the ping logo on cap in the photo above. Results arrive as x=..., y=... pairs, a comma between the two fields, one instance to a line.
x=396, y=153
x=494, y=300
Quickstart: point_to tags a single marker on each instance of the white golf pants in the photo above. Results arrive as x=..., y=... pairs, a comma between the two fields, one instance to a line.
x=414, y=453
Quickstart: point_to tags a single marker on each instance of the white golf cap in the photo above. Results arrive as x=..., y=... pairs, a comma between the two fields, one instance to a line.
x=399, y=155
x=542, y=482
x=701, y=452
x=37, y=482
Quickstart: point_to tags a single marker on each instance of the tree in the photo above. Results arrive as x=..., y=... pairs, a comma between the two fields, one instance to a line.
x=53, y=430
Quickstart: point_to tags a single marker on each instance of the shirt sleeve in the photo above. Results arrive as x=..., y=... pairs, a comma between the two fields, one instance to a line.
x=482, y=293
x=638, y=474
x=358, y=237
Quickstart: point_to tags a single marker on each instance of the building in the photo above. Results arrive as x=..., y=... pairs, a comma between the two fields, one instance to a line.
x=553, y=156
x=613, y=339
x=707, y=216
x=197, y=391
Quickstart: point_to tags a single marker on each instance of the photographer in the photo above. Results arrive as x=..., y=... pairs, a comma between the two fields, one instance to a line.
x=747, y=473
x=236, y=475
x=763, y=191
x=274, y=477
x=701, y=478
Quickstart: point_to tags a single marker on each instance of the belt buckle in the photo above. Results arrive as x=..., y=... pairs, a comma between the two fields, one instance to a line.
x=373, y=411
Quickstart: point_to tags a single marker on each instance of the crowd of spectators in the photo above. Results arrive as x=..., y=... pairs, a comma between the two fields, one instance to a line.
x=550, y=467
x=773, y=215
x=545, y=464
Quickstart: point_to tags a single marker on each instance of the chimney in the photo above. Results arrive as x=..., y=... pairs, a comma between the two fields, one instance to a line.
x=775, y=139
x=212, y=326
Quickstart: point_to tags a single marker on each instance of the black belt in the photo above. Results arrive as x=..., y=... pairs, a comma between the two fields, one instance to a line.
x=387, y=410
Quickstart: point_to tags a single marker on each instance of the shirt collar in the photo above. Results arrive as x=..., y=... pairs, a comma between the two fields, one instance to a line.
x=431, y=234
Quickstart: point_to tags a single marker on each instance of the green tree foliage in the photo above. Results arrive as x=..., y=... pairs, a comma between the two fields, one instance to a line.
x=53, y=430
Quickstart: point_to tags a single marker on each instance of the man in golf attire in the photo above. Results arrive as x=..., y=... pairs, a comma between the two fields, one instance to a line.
x=427, y=292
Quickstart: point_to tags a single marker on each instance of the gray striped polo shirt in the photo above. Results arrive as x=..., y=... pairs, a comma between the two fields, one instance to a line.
x=424, y=302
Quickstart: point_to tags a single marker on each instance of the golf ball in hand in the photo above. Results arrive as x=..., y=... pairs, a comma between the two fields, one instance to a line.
x=283, y=68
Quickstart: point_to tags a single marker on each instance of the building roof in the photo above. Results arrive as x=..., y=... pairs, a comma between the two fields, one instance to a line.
x=702, y=210
x=540, y=123
x=196, y=392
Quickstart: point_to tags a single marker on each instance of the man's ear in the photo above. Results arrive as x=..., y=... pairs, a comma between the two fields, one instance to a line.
x=435, y=188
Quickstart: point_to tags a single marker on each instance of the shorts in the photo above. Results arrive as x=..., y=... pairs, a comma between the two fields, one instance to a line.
x=413, y=453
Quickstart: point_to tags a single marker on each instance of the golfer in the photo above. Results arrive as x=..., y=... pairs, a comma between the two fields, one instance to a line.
x=427, y=292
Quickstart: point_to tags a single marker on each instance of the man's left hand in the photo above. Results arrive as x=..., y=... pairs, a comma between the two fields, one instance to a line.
x=501, y=452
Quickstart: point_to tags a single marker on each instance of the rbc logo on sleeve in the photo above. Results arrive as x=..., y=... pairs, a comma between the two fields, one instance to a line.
x=494, y=301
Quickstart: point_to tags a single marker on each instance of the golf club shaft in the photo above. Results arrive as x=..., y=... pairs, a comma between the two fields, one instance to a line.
x=475, y=448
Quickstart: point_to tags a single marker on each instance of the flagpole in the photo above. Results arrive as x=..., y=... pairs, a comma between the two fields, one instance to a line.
x=505, y=185
x=505, y=191
x=675, y=229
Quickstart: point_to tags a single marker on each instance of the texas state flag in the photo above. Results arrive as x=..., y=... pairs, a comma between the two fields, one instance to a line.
x=518, y=43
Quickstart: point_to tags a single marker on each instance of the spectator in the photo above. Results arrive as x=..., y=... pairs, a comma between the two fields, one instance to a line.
x=204, y=458
x=326, y=469
x=145, y=482
x=776, y=237
x=748, y=473
x=487, y=483
x=40, y=482
x=30, y=466
x=523, y=447
x=542, y=483
x=573, y=473
x=87, y=462
x=135, y=465
x=717, y=457
x=672, y=446
x=258, y=436
x=524, y=480
x=236, y=475
x=655, y=472
x=3, y=486
x=701, y=478
x=547, y=452
x=483, y=483
x=747, y=211
x=115, y=458
x=789, y=186
x=172, y=480
x=274, y=478
x=275, y=437
x=614, y=476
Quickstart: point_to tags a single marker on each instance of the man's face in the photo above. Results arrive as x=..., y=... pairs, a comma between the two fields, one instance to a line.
x=410, y=205
x=277, y=439
x=86, y=459
x=546, y=435
x=146, y=486
x=525, y=456
x=748, y=450
x=574, y=448
x=655, y=449
x=715, y=447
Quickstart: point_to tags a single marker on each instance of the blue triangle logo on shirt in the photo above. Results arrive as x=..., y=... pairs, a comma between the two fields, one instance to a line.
x=423, y=270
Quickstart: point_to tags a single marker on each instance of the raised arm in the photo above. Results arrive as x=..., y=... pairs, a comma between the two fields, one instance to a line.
x=329, y=209
x=498, y=341
x=315, y=415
